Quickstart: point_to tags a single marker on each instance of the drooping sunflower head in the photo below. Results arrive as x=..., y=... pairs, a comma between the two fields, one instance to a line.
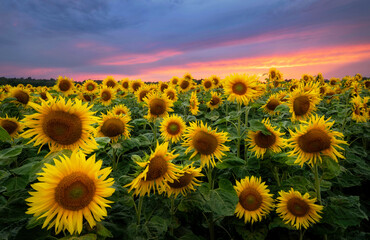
x=156, y=173
x=260, y=142
x=135, y=85
x=320, y=78
x=215, y=102
x=61, y=124
x=158, y=105
x=114, y=126
x=240, y=87
x=172, y=128
x=359, y=109
x=298, y=210
x=11, y=125
x=272, y=102
x=22, y=95
x=314, y=138
x=121, y=109
x=174, y=80
x=65, y=85
x=216, y=81
x=73, y=189
x=200, y=138
x=109, y=81
x=356, y=89
x=194, y=103
x=125, y=84
x=142, y=92
x=106, y=94
x=185, y=182
x=255, y=200
x=302, y=104
x=207, y=84
x=171, y=94
x=90, y=87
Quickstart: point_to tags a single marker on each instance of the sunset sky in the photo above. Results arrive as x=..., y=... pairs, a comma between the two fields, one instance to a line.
x=156, y=40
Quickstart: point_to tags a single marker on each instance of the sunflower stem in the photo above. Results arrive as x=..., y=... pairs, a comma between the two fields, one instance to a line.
x=138, y=213
x=246, y=126
x=238, y=131
x=317, y=183
x=172, y=214
x=155, y=132
x=114, y=158
x=227, y=110
x=211, y=224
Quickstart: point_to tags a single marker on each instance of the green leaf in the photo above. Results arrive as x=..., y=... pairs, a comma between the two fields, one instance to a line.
x=23, y=170
x=331, y=169
x=157, y=225
x=282, y=108
x=33, y=222
x=257, y=125
x=16, y=183
x=230, y=160
x=4, y=135
x=102, y=231
x=342, y=211
x=102, y=141
x=11, y=152
x=4, y=174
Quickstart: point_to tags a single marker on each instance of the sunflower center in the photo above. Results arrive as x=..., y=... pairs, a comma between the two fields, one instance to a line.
x=183, y=181
x=173, y=128
x=163, y=87
x=298, y=207
x=64, y=85
x=205, y=143
x=315, y=140
x=250, y=199
x=9, y=126
x=135, y=86
x=214, y=101
x=215, y=80
x=208, y=84
x=301, y=105
x=62, y=127
x=113, y=127
x=170, y=95
x=87, y=97
x=111, y=84
x=265, y=141
x=184, y=84
x=106, y=96
x=75, y=191
x=125, y=85
x=43, y=95
x=273, y=75
x=90, y=87
x=272, y=104
x=367, y=84
x=322, y=90
x=120, y=111
x=157, y=168
x=293, y=87
x=157, y=106
x=22, y=97
x=239, y=88
x=143, y=94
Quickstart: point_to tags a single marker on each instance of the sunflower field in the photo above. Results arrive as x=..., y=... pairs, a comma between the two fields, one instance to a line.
x=234, y=158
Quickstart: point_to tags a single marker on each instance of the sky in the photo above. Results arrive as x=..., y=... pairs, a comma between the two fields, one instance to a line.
x=156, y=40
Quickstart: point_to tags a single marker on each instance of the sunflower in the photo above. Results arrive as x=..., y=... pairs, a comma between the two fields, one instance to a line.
x=64, y=85
x=359, y=112
x=61, y=125
x=216, y=81
x=110, y=82
x=90, y=87
x=11, y=125
x=135, y=85
x=239, y=87
x=298, y=210
x=158, y=105
x=157, y=172
x=334, y=81
x=307, y=78
x=163, y=86
x=174, y=80
x=260, y=142
x=367, y=84
x=255, y=201
x=142, y=92
x=188, y=76
x=205, y=141
x=322, y=90
x=272, y=102
x=125, y=84
x=114, y=126
x=185, y=182
x=171, y=94
x=172, y=128
x=73, y=189
x=185, y=84
x=86, y=97
x=356, y=89
x=22, y=95
x=272, y=74
x=121, y=110
x=215, y=102
x=314, y=138
x=106, y=95
x=320, y=78
x=193, y=103
x=358, y=77
x=302, y=104
x=207, y=84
